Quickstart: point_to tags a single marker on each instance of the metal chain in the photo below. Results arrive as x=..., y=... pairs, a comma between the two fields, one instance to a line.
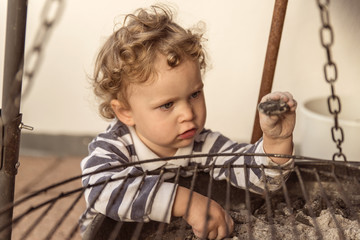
x=331, y=75
x=50, y=15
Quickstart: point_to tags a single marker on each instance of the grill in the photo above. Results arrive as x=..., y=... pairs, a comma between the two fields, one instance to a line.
x=320, y=200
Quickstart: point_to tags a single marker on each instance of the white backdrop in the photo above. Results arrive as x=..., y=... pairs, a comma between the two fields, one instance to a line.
x=61, y=101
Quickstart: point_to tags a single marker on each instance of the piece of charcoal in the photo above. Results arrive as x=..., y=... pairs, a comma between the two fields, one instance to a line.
x=273, y=107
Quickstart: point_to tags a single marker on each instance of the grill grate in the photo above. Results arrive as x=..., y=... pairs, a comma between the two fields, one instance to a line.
x=320, y=200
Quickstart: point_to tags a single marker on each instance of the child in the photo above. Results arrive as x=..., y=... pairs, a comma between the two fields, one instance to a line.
x=148, y=76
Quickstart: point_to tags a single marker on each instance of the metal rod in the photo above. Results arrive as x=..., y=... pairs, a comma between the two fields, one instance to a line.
x=116, y=230
x=192, y=186
x=307, y=200
x=37, y=221
x=209, y=192
x=161, y=227
x=65, y=215
x=10, y=117
x=288, y=204
x=269, y=212
x=329, y=205
x=270, y=59
x=38, y=206
x=227, y=195
x=248, y=203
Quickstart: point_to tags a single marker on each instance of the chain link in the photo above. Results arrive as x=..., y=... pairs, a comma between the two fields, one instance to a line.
x=50, y=15
x=331, y=75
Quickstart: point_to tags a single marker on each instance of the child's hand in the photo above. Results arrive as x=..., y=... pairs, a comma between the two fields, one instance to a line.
x=219, y=224
x=279, y=126
x=278, y=129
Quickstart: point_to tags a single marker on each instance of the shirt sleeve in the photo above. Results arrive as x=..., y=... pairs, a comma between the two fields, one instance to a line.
x=129, y=195
x=254, y=177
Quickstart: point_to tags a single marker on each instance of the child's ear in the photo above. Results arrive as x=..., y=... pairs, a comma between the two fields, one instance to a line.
x=122, y=112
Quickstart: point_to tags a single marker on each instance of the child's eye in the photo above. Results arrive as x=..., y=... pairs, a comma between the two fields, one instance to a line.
x=166, y=106
x=195, y=94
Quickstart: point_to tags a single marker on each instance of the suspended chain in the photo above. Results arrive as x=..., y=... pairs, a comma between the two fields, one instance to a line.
x=331, y=75
x=50, y=15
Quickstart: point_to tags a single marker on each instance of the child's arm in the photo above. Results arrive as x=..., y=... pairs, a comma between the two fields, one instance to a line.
x=277, y=139
x=277, y=129
x=131, y=197
x=219, y=223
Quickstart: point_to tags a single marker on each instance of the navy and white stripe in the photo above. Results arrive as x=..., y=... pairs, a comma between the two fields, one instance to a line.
x=128, y=201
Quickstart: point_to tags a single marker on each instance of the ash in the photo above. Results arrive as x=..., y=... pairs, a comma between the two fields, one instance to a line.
x=300, y=227
x=283, y=224
x=331, y=213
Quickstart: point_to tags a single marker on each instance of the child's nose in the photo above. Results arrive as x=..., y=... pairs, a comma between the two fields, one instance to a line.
x=186, y=113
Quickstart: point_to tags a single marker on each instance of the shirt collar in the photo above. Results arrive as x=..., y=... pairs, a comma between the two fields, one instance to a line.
x=144, y=153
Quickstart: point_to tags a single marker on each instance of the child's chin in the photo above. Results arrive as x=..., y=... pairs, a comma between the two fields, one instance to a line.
x=186, y=142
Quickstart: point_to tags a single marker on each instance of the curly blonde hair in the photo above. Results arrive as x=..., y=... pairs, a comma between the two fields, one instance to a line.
x=128, y=55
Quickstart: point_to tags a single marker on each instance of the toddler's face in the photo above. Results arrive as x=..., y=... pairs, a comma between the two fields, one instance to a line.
x=169, y=112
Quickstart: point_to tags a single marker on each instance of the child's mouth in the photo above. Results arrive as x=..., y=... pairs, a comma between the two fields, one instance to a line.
x=188, y=134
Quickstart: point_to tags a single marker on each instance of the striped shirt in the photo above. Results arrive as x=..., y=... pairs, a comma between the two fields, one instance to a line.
x=147, y=197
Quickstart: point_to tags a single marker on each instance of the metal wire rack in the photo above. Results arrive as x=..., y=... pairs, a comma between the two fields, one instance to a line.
x=317, y=189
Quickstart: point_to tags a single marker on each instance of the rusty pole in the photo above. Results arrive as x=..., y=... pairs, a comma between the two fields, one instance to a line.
x=270, y=59
x=10, y=118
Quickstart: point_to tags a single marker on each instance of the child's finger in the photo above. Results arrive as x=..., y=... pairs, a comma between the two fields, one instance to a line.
x=213, y=234
x=198, y=233
x=284, y=96
x=225, y=229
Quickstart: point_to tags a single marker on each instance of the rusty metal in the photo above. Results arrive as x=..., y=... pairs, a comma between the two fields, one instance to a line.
x=330, y=207
x=37, y=221
x=307, y=199
x=10, y=116
x=268, y=206
x=270, y=59
x=331, y=76
x=306, y=173
x=247, y=202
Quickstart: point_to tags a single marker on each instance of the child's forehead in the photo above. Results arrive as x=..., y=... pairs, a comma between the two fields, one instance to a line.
x=161, y=63
x=164, y=75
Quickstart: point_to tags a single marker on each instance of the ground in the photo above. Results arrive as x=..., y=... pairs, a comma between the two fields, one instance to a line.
x=36, y=173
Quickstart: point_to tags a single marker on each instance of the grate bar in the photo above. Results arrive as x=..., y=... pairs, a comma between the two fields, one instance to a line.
x=247, y=202
x=91, y=205
x=137, y=231
x=207, y=217
x=119, y=224
x=162, y=225
x=161, y=180
x=40, y=205
x=227, y=195
x=288, y=205
x=183, y=223
x=319, y=176
x=139, y=226
x=64, y=216
x=37, y=221
x=344, y=195
x=329, y=205
x=268, y=205
x=307, y=200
